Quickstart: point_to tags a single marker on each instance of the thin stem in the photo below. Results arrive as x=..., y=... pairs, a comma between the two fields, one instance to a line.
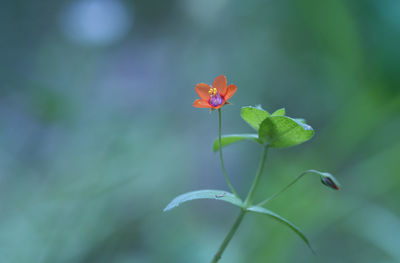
x=250, y=196
x=285, y=188
x=248, y=201
x=221, y=158
x=228, y=238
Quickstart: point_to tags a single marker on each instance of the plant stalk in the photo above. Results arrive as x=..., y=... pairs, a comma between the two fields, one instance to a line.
x=220, y=155
x=228, y=238
x=243, y=211
x=252, y=191
x=285, y=188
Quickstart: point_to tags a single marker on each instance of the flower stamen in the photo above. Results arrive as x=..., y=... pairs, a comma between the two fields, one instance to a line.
x=212, y=92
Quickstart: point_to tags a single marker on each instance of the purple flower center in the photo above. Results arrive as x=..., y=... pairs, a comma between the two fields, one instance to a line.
x=216, y=100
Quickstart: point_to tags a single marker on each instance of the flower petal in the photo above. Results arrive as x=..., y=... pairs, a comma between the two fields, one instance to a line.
x=220, y=84
x=201, y=104
x=202, y=89
x=230, y=91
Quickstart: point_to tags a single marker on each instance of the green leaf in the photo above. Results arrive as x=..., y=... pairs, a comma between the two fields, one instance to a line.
x=232, y=138
x=254, y=116
x=204, y=194
x=262, y=210
x=300, y=120
x=280, y=112
x=282, y=132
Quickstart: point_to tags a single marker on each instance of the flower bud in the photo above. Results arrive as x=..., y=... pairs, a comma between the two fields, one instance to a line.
x=329, y=182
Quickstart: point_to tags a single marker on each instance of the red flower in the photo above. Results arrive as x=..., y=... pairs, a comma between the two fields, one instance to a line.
x=216, y=96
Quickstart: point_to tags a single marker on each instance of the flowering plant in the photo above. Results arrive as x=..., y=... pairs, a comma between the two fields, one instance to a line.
x=274, y=130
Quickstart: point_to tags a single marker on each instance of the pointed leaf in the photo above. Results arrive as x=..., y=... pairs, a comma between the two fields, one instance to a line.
x=262, y=210
x=282, y=132
x=232, y=138
x=280, y=112
x=254, y=116
x=204, y=194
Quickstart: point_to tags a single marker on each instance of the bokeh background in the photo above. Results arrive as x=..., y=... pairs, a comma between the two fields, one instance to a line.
x=98, y=132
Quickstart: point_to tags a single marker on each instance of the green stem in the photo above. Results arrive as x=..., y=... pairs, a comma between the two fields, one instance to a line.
x=243, y=210
x=228, y=238
x=285, y=188
x=220, y=156
x=250, y=196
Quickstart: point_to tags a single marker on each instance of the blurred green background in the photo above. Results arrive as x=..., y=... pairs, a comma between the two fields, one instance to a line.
x=98, y=132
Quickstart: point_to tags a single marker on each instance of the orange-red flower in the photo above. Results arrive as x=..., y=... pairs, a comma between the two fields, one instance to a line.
x=216, y=96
